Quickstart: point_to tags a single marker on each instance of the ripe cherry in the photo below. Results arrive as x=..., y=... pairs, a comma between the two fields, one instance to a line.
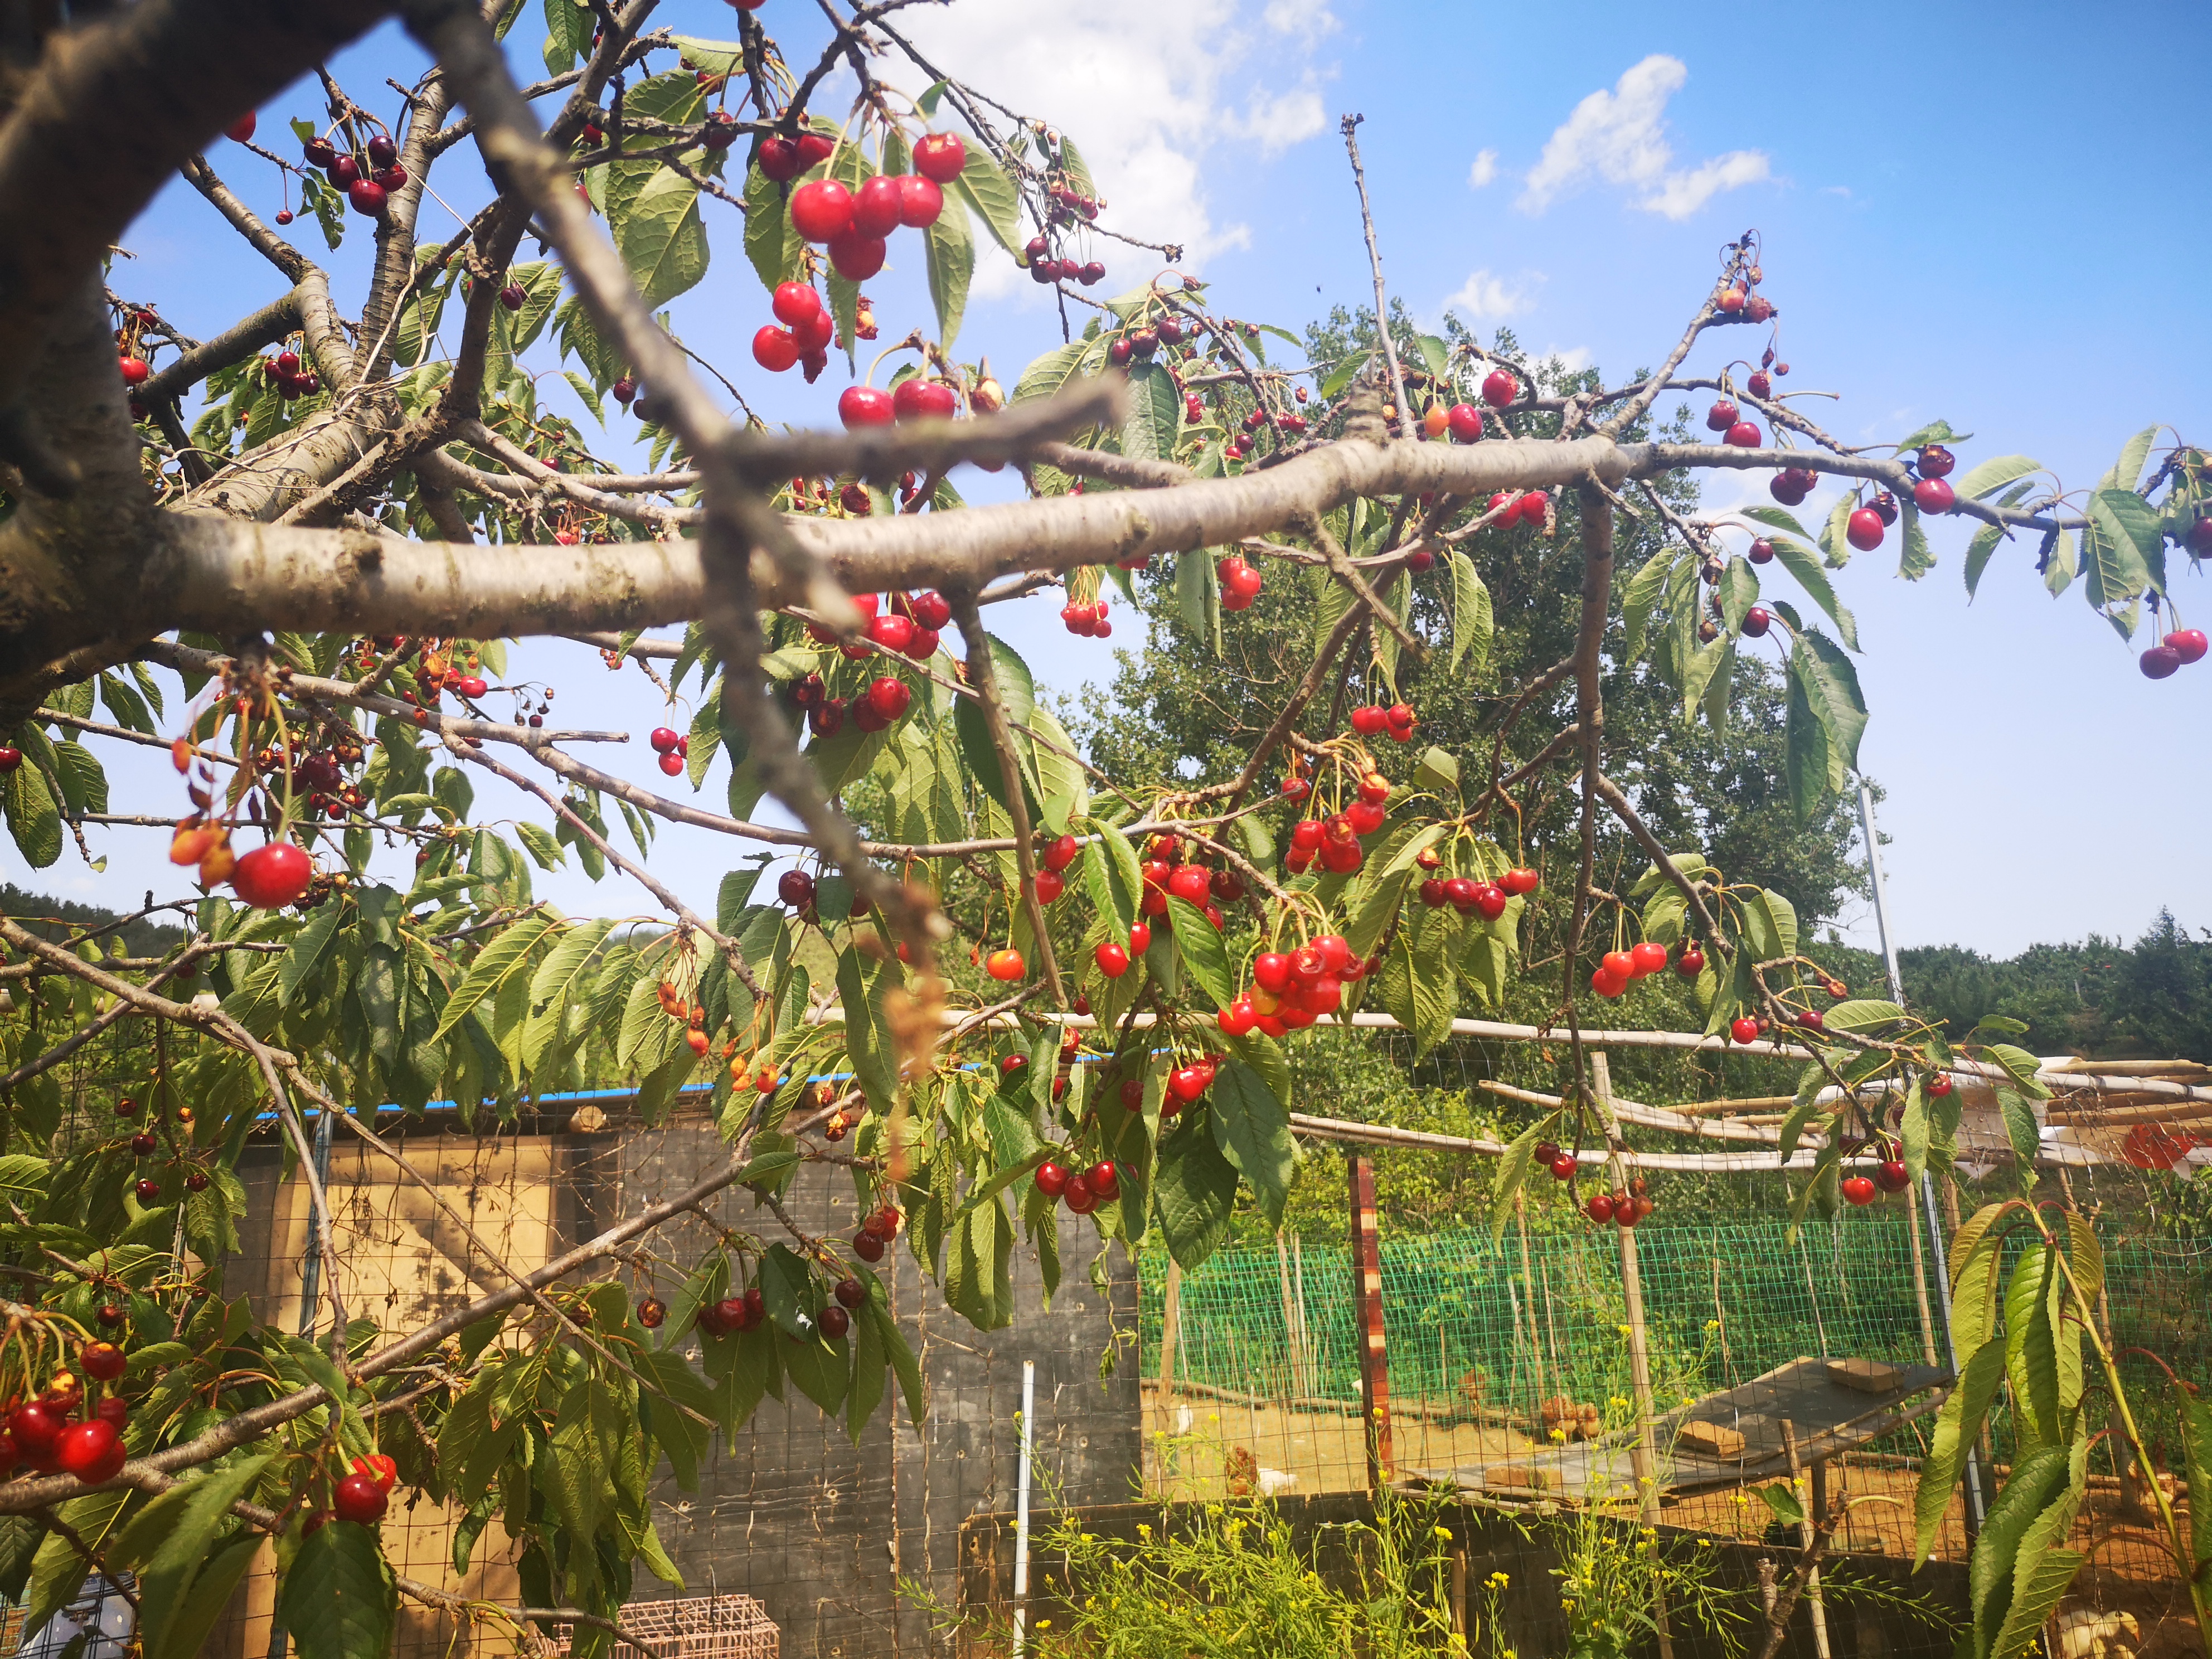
x=1756, y=622
x=1499, y=388
x=148, y=1189
x=1762, y=551
x=271, y=877
x=1005, y=965
x=1113, y=960
x=1721, y=417
x=1864, y=530
x=359, y=1499
x=939, y=156
x=918, y=399
x=864, y=405
x=197, y=1182
x=793, y=302
x=1563, y=1167
x=1810, y=1020
x=1759, y=385
x=869, y=1247
x=1608, y=985
x=2187, y=643
x=834, y=1321
x=93, y=1451
x=1464, y=423
x=1893, y=1176
x=144, y=1143
x=1885, y=507
x=774, y=349
x=1691, y=963
x=876, y=207
x=1744, y=1030
x=1939, y=1085
x=240, y=130
x=1140, y=939
x=889, y=698
x=1935, y=461
x=382, y=152
x=367, y=197
x=1857, y=1189
x=663, y=740
x=856, y=257
x=851, y=1293
x=1649, y=957
x=1600, y=1207
x=103, y=1361
x=1933, y=496
x=1080, y=1197
x=2159, y=661
x=1742, y=435
x=821, y=209
x=921, y=202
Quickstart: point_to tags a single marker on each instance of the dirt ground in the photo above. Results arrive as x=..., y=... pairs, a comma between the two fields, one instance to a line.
x=1196, y=1443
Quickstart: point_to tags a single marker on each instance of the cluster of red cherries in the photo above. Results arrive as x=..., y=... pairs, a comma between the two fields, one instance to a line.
x=45, y=1434
x=2181, y=646
x=1624, y=1208
x=806, y=333
x=917, y=397
x=1164, y=877
x=853, y=224
x=1334, y=839
x=1395, y=720
x=1240, y=581
x=1618, y=970
x=673, y=748
x=369, y=186
x=1530, y=507
x=1081, y=1191
x=1466, y=895
x=1090, y=620
x=1291, y=989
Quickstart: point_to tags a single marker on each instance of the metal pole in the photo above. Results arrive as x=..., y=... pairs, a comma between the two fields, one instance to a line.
x=1021, y=1512
x=1974, y=1507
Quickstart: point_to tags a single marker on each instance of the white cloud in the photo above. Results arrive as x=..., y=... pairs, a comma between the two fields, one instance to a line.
x=1308, y=19
x=1573, y=359
x=1487, y=299
x=1152, y=91
x=1484, y=170
x=1621, y=136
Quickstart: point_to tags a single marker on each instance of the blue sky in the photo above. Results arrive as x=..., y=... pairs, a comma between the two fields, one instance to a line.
x=2001, y=226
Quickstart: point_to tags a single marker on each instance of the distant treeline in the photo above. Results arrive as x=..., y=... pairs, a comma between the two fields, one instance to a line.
x=2150, y=1000
x=139, y=938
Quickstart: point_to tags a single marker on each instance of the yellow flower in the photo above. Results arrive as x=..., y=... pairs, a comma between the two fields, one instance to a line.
x=1624, y=1330
x=1644, y=1480
x=1090, y=1537
x=1558, y=1434
x=1044, y=1624
x=1704, y=1543
x=1144, y=1531
x=1444, y=1533
x=1712, y=1324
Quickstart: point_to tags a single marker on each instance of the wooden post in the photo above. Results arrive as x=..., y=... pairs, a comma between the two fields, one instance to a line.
x=1294, y=1386
x=1170, y=1320
x=1535, y=1336
x=1920, y=1281
x=1805, y=1540
x=1367, y=1290
x=1643, y=1455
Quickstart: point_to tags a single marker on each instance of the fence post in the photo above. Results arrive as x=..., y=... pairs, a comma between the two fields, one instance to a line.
x=1367, y=1290
x=1643, y=1456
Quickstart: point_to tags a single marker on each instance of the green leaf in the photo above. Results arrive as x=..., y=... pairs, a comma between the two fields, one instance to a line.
x=1799, y=562
x=862, y=986
x=1471, y=614
x=1053, y=370
x=504, y=957
x=1806, y=763
x=1831, y=691
x=949, y=247
x=2127, y=471
x=2132, y=545
x=339, y=1600
x=661, y=237
x=1863, y=1014
x=1915, y=558
x=2038, y=1476
x=984, y=186
x=1783, y=1503
x=1253, y=1133
x=1835, y=542
x=2195, y=1414
x=1113, y=879
x=59, y=1568
x=184, y=1632
x=33, y=819
x=1198, y=593
x=1193, y=1192
x=1155, y=416
x=1775, y=517
x=1986, y=477
x=1958, y=1424
x=1204, y=955
x=1513, y=1175
x=1978, y=551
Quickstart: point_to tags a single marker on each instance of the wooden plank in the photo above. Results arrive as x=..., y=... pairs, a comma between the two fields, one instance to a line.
x=1374, y=1353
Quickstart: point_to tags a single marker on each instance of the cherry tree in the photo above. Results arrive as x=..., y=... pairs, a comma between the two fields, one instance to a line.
x=304, y=597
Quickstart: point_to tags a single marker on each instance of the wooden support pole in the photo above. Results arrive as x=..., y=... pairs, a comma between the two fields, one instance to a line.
x=1367, y=1290
x=1644, y=1455
x=1171, y=1320
x=1920, y=1282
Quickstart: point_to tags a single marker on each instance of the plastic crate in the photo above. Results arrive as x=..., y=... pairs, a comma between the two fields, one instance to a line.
x=696, y=1627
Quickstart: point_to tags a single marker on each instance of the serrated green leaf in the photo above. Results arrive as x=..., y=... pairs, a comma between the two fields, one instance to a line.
x=1472, y=624
x=339, y=1601
x=949, y=249
x=503, y=958
x=1253, y=1133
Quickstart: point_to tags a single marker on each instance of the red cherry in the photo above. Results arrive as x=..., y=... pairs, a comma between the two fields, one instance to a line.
x=1080, y=1197
x=34, y=1428
x=813, y=147
x=1759, y=385
x=382, y=151
x=1563, y=1167
x=271, y=877
x=939, y=156
x=1762, y=551
x=1051, y=1180
x=922, y=201
x=851, y=1293
x=793, y=302
x=1691, y=963
x=1005, y=965
x=889, y=697
x=834, y=1321
x=1464, y=423
x=359, y=1499
x=1858, y=1189
x=1742, y=435
x=240, y=130
x=1103, y=1179
x=1864, y=530
x=2187, y=643
x=1608, y=985
x=380, y=1467
x=1933, y=496
x=864, y=405
x=918, y=399
x=779, y=160
x=2159, y=661
x=135, y=370
x=1721, y=417
x=103, y=1361
x=876, y=207
x=367, y=197
x=1649, y=957
x=868, y=1247
x=1113, y=960
x=1811, y=1020
x=1939, y=1085
x=1893, y=1176
x=1600, y=1207
x=663, y=740
x=1140, y=939
x=93, y=1451
x=774, y=349
x=856, y=257
x=1756, y=622
x=1499, y=388
x=1744, y=1030
x=670, y=764
x=821, y=209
